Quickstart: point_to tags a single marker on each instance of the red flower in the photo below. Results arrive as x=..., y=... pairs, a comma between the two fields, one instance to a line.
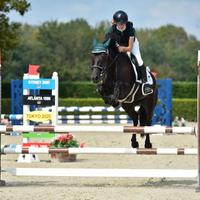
x=66, y=140
x=65, y=137
x=82, y=145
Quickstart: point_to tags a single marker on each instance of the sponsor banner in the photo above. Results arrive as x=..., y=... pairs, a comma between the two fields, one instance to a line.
x=38, y=116
x=43, y=100
x=39, y=84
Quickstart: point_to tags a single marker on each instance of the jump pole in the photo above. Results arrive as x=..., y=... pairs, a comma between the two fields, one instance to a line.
x=115, y=173
x=103, y=129
x=198, y=121
x=99, y=150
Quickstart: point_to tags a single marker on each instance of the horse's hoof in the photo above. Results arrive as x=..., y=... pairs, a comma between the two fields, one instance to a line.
x=148, y=145
x=135, y=144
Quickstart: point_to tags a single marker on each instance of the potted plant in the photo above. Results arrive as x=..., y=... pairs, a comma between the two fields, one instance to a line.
x=64, y=141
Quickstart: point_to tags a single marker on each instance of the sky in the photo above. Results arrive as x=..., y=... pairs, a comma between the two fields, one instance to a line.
x=143, y=13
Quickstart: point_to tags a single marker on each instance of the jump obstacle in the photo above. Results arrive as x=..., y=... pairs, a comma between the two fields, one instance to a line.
x=87, y=114
x=158, y=173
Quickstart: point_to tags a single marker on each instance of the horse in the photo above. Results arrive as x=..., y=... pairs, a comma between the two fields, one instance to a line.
x=119, y=85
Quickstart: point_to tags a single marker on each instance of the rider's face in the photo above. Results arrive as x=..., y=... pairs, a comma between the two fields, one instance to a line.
x=121, y=27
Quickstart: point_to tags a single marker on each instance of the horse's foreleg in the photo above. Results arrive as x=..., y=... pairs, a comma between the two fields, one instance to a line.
x=145, y=121
x=116, y=92
x=104, y=94
x=134, y=142
x=147, y=144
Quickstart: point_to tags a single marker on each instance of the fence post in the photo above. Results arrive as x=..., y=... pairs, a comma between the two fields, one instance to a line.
x=198, y=122
x=2, y=182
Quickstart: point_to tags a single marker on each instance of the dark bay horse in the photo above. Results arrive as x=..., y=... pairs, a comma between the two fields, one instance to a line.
x=117, y=83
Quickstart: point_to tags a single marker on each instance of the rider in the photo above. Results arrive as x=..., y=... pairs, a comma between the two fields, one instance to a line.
x=127, y=41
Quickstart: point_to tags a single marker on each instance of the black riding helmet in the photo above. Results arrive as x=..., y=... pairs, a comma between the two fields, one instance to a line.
x=120, y=17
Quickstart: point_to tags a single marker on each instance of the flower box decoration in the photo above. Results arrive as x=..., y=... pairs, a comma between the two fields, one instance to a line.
x=61, y=142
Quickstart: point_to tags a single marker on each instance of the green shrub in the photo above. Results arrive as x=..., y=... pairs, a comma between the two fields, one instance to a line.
x=184, y=89
x=6, y=90
x=186, y=108
x=81, y=102
x=88, y=89
x=77, y=90
x=5, y=106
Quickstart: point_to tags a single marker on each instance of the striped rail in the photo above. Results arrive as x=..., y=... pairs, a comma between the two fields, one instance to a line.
x=105, y=129
x=19, y=149
x=72, y=117
x=81, y=119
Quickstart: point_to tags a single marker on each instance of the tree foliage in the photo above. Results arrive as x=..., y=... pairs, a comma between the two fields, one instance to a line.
x=65, y=48
x=9, y=31
x=170, y=51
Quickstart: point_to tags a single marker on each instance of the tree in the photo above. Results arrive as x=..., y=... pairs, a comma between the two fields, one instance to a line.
x=9, y=31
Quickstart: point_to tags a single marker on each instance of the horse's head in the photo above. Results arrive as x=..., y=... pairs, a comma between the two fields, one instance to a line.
x=100, y=59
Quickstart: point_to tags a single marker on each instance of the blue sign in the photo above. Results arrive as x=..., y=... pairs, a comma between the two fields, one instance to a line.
x=39, y=84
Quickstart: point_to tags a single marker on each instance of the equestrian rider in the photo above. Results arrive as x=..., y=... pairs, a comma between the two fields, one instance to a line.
x=127, y=41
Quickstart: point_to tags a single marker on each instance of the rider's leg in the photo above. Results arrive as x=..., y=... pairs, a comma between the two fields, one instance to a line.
x=143, y=73
x=142, y=67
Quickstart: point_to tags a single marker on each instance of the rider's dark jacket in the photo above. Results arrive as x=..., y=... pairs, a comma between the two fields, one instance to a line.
x=122, y=37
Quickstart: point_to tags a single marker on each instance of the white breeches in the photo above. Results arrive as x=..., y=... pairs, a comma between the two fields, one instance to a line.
x=136, y=52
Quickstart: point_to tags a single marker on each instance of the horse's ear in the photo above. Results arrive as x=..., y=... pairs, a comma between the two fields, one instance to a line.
x=107, y=43
x=94, y=42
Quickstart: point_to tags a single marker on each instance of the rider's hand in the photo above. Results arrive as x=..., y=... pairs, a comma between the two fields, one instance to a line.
x=120, y=49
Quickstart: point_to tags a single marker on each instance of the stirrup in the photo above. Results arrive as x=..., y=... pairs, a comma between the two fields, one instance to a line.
x=146, y=90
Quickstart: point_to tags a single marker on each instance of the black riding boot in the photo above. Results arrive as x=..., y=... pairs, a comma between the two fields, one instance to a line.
x=143, y=73
x=146, y=88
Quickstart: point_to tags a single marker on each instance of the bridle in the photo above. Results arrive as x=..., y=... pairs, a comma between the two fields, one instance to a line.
x=104, y=68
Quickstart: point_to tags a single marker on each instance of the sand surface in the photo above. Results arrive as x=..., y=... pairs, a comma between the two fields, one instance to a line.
x=74, y=188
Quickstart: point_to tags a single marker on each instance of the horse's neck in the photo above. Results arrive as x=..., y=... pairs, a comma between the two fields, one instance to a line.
x=110, y=72
x=120, y=67
x=125, y=72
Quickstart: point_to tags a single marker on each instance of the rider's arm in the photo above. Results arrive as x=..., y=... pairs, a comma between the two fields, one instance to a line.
x=131, y=33
x=127, y=48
